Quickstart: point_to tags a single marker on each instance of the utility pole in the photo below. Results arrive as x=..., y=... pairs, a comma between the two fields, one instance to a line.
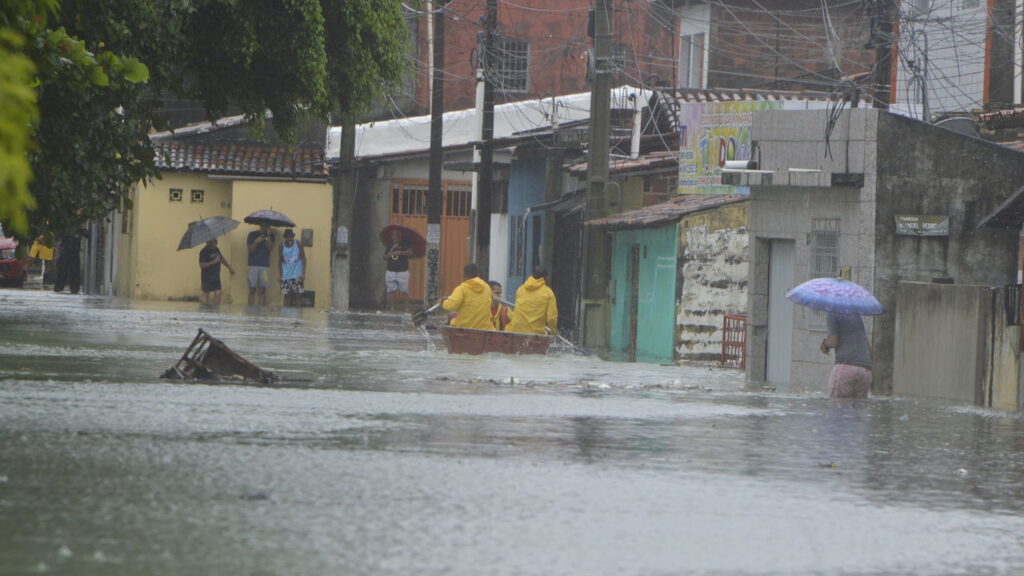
x=485, y=173
x=594, y=265
x=435, y=199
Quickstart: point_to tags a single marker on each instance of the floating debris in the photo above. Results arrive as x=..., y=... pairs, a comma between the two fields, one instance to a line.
x=207, y=358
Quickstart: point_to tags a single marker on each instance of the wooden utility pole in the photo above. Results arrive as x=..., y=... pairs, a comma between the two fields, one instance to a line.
x=435, y=198
x=594, y=265
x=485, y=174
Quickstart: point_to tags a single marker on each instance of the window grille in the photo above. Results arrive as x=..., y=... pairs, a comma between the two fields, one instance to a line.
x=175, y=195
x=198, y=196
x=407, y=199
x=824, y=261
x=1012, y=305
x=509, y=65
x=499, y=197
x=458, y=201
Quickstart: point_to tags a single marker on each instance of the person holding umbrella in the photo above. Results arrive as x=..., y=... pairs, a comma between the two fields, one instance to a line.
x=845, y=303
x=210, y=259
x=259, y=243
x=206, y=231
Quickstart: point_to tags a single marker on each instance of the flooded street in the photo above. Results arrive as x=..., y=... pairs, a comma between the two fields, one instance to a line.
x=382, y=456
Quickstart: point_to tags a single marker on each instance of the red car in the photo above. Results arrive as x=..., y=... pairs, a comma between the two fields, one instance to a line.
x=13, y=272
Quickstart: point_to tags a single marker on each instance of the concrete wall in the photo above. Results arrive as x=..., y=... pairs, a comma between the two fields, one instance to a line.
x=309, y=205
x=786, y=210
x=156, y=270
x=953, y=342
x=150, y=268
x=713, y=277
x=917, y=174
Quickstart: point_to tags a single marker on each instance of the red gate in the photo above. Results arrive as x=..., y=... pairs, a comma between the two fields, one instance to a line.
x=734, y=340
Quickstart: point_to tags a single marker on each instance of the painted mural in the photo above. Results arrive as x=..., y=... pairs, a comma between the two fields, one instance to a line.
x=711, y=133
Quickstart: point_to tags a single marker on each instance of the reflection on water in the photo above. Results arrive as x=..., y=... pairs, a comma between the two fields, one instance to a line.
x=383, y=456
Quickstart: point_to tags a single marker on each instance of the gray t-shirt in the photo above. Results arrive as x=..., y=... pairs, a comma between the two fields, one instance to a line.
x=852, y=347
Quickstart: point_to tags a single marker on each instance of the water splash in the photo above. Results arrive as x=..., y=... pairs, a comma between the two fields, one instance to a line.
x=430, y=342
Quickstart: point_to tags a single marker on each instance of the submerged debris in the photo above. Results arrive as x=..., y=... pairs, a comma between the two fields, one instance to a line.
x=207, y=358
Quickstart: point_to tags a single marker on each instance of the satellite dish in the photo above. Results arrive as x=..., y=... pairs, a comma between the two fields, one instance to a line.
x=960, y=125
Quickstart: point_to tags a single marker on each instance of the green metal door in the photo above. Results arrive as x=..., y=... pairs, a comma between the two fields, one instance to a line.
x=644, y=307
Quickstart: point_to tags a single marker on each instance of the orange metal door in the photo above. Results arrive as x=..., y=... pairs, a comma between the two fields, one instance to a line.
x=409, y=209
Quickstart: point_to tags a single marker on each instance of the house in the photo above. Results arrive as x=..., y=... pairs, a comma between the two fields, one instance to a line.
x=673, y=272
x=542, y=50
x=392, y=158
x=204, y=173
x=892, y=198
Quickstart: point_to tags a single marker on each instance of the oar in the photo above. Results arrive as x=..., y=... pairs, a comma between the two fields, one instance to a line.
x=578, y=350
x=420, y=318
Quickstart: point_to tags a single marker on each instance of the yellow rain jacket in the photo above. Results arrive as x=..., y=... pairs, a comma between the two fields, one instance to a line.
x=535, y=308
x=472, y=301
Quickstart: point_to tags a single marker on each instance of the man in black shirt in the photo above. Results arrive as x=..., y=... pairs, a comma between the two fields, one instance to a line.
x=210, y=260
x=397, y=276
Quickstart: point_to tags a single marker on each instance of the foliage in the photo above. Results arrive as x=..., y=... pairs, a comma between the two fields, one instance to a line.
x=100, y=67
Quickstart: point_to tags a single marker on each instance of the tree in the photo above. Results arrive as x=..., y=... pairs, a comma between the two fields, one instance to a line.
x=291, y=58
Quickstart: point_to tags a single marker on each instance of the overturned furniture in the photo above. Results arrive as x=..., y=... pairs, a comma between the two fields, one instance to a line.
x=207, y=358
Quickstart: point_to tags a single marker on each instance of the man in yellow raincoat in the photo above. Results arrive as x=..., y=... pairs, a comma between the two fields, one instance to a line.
x=535, y=306
x=471, y=300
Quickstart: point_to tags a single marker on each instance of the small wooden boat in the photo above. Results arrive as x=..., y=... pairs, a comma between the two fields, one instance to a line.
x=468, y=341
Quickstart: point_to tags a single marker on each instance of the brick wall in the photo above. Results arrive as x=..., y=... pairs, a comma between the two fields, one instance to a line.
x=785, y=44
x=558, y=45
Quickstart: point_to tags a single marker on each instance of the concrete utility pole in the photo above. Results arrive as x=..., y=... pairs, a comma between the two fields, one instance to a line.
x=344, y=200
x=435, y=198
x=485, y=174
x=594, y=266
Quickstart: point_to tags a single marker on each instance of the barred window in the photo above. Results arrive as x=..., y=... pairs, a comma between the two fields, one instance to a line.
x=824, y=248
x=509, y=65
x=824, y=261
x=407, y=199
x=458, y=200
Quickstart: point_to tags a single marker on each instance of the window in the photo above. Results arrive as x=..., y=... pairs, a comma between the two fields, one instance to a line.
x=198, y=196
x=175, y=195
x=824, y=248
x=458, y=200
x=824, y=261
x=499, y=197
x=622, y=57
x=517, y=247
x=691, y=61
x=408, y=199
x=510, y=64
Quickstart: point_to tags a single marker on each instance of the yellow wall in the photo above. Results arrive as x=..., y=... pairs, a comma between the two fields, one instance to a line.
x=309, y=206
x=726, y=217
x=158, y=271
x=151, y=268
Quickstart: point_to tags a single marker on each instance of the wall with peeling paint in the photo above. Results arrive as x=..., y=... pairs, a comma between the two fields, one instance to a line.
x=712, y=279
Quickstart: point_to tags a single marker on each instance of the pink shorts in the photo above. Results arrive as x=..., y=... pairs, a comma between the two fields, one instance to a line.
x=848, y=381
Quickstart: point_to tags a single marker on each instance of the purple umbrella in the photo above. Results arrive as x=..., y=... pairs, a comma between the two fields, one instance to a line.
x=835, y=295
x=271, y=217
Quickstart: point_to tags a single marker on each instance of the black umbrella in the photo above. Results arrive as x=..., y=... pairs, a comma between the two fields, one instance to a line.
x=269, y=217
x=202, y=231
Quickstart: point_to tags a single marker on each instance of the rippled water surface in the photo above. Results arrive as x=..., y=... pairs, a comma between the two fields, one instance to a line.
x=382, y=456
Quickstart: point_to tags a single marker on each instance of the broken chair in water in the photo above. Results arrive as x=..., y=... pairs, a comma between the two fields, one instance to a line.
x=207, y=358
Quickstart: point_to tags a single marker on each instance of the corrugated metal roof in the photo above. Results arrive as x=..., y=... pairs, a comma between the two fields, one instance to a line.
x=665, y=212
x=244, y=159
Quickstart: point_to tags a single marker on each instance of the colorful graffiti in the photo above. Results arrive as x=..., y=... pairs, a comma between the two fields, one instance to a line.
x=712, y=133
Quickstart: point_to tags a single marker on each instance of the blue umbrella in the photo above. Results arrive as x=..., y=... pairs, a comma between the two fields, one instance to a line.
x=836, y=295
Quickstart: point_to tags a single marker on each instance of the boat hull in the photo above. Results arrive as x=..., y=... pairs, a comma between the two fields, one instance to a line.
x=468, y=341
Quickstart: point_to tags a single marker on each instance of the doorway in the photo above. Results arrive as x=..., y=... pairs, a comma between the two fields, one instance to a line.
x=781, y=258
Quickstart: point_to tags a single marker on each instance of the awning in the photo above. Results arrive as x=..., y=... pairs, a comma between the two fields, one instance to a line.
x=666, y=212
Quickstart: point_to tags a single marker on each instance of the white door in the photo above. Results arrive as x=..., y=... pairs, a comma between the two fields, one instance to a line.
x=780, y=311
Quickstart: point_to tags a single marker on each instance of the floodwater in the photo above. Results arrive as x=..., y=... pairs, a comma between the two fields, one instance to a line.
x=384, y=457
